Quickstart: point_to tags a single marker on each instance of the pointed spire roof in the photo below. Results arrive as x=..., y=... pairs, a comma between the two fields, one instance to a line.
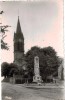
x=18, y=30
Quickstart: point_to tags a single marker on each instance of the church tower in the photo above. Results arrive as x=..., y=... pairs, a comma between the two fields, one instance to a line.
x=18, y=45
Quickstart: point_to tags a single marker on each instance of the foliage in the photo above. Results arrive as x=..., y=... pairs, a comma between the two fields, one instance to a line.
x=4, y=45
x=5, y=69
x=3, y=29
x=48, y=60
x=13, y=69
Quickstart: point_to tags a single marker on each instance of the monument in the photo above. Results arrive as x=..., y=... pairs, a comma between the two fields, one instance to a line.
x=36, y=77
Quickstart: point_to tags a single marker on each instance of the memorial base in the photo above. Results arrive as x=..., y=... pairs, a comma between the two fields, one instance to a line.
x=37, y=79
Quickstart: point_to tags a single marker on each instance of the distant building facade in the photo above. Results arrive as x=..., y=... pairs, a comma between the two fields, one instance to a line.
x=61, y=70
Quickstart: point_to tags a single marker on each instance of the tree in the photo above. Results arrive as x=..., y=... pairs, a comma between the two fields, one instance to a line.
x=48, y=61
x=3, y=29
x=52, y=61
x=13, y=69
x=5, y=69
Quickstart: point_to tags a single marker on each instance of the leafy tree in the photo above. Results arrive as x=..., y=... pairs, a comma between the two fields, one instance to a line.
x=13, y=69
x=48, y=61
x=3, y=29
x=5, y=69
x=51, y=59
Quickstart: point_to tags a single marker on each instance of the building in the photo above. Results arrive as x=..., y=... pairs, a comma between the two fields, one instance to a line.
x=61, y=70
x=19, y=58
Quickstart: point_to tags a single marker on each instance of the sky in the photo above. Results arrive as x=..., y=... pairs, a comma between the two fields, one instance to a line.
x=41, y=24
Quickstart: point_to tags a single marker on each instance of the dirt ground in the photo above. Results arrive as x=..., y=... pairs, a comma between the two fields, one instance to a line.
x=19, y=92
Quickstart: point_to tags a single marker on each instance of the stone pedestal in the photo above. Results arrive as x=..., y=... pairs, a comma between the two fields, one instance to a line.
x=36, y=77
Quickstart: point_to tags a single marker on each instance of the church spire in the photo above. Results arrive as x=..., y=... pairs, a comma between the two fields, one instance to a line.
x=18, y=30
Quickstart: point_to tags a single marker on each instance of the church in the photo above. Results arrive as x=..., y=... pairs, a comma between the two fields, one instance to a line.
x=19, y=57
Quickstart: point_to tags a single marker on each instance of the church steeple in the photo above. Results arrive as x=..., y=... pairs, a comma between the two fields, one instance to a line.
x=18, y=38
x=18, y=30
x=18, y=45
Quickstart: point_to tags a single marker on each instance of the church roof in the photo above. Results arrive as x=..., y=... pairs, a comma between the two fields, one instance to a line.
x=18, y=33
x=18, y=30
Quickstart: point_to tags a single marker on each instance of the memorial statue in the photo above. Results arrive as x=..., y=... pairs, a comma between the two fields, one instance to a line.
x=36, y=77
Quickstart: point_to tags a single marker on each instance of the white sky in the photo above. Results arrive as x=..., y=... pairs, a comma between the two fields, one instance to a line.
x=41, y=24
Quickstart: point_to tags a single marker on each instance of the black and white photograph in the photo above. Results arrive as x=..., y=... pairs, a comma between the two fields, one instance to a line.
x=32, y=50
